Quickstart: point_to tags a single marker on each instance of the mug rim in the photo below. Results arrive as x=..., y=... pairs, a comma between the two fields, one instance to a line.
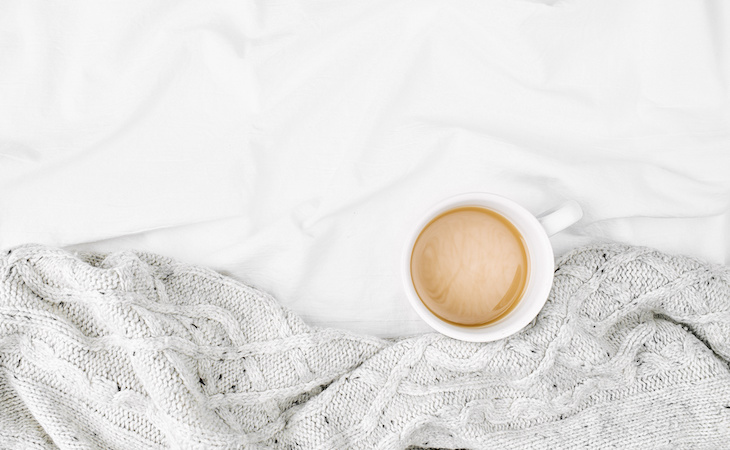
x=539, y=282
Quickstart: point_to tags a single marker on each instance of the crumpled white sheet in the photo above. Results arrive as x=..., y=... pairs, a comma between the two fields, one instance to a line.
x=292, y=144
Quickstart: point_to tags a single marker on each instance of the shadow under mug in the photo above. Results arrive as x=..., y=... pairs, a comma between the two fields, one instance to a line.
x=534, y=230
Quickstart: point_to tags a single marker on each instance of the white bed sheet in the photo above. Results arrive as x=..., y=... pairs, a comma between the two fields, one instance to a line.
x=292, y=144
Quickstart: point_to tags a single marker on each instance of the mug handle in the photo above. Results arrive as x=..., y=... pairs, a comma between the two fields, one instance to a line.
x=561, y=217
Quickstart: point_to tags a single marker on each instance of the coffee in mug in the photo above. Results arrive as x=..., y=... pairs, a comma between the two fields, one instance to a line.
x=479, y=267
x=470, y=266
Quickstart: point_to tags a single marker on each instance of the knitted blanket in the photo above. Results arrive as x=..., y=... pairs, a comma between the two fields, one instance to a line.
x=134, y=350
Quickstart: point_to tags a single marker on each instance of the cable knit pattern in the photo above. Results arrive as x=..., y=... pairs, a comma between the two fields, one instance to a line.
x=134, y=350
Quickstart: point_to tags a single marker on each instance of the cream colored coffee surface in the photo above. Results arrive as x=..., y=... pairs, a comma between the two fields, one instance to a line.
x=469, y=266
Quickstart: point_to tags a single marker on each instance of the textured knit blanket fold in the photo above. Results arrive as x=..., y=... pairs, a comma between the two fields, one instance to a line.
x=134, y=350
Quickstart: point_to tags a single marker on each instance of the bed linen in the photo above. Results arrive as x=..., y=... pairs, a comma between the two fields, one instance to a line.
x=291, y=144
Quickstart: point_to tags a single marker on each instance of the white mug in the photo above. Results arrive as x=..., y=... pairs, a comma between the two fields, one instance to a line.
x=534, y=230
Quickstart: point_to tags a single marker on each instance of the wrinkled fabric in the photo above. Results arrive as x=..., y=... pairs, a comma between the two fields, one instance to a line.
x=293, y=144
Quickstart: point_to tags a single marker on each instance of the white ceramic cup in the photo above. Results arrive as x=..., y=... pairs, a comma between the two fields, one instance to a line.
x=535, y=231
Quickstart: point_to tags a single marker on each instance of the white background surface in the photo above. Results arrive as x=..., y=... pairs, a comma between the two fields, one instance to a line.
x=292, y=144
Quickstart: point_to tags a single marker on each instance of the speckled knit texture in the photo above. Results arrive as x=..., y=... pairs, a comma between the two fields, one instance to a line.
x=134, y=350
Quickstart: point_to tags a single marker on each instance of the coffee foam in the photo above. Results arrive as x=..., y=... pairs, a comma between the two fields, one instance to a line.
x=470, y=266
